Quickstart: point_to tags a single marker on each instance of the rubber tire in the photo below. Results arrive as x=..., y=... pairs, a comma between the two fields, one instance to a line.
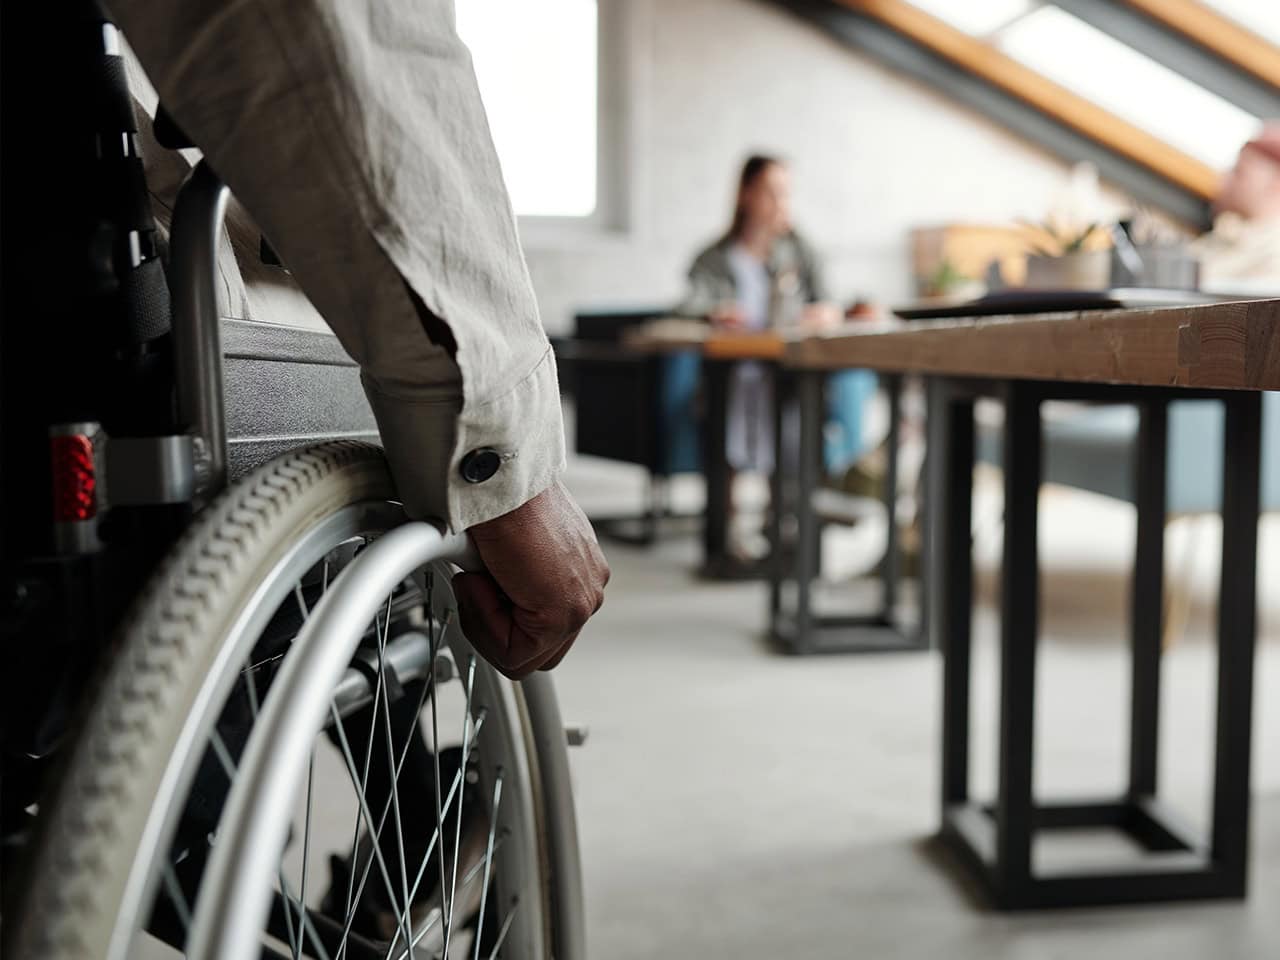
x=169, y=646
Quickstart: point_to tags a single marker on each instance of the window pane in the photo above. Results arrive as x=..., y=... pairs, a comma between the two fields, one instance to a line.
x=978, y=17
x=536, y=64
x=1260, y=16
x=1132, y=86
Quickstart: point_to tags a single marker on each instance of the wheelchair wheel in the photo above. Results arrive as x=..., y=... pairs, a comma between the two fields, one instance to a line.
x=295, y=753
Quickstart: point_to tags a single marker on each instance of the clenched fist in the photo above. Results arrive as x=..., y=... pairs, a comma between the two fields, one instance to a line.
x=544, y=578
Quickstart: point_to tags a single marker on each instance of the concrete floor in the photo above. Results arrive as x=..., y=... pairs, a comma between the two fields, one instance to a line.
x=735, y=802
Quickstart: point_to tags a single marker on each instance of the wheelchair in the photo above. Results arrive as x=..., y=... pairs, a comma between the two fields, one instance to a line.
x=241, y=718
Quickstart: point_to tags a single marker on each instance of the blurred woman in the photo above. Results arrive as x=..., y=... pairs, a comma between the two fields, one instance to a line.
x=761, y=275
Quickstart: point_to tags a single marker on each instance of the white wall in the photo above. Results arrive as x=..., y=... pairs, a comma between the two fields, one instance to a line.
x=704, y=82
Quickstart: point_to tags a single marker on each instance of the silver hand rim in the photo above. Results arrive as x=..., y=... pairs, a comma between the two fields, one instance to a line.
x=236, y=888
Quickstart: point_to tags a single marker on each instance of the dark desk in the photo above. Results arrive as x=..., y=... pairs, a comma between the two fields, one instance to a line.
x=623, y=394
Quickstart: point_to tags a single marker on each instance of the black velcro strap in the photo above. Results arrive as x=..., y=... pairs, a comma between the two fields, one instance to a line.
x=114, y=105
x=146, y=302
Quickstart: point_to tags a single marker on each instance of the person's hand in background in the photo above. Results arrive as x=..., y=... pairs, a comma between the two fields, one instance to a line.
x=863, y=310
x=728, y=316
x=544, y=577
x=817, y=317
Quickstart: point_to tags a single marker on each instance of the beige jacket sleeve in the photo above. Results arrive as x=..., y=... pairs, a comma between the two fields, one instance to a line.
x=353, y=132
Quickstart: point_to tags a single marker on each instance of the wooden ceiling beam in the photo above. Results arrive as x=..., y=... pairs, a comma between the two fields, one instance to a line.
x=1218, y=34
x=1014, y=78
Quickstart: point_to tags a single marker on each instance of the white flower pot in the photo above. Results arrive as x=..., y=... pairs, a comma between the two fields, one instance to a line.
x=1083, y=270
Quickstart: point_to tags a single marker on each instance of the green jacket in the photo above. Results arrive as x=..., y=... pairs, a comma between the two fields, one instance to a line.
x=792, y=265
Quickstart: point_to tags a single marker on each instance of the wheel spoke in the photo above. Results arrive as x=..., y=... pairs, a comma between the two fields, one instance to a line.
x=306, y=837
x=302, y=603
x=223, y=754
x=502, y=934
x=452, y=904
x=295, y=945
x=435, y=760
x=457, y=830
x=174, y=890
x=364, y=807
x=488, y=855
x=404, y=920
x=355, y=833
x=454, y=788
x=304, y=922
x=251, y=688
x=364, y=877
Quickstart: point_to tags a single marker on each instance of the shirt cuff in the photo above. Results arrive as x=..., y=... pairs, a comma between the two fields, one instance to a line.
x=464, y=465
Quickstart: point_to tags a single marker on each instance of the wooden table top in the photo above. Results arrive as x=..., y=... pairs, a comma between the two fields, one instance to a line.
x=661, y=336
x=1215, y=346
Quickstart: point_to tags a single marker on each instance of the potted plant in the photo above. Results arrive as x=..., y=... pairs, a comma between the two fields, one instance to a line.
x=1066, y=256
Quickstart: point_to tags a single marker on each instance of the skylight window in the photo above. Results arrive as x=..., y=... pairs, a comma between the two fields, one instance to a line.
x=1132, y=86
x=1260, y=16
x=977, y=17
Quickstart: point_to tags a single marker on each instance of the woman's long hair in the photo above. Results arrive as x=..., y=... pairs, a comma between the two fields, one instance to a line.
x=752, y=170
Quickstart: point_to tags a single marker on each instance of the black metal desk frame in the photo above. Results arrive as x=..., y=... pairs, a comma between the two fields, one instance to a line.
x=795, y=558
x=996, y=842
x=716, y=562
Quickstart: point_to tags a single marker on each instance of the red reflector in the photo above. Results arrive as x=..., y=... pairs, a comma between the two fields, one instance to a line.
x=74, y=481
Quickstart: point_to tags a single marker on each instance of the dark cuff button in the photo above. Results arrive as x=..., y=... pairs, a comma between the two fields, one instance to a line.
x=480, y=464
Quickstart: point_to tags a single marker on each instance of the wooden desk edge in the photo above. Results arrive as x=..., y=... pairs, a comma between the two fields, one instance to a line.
x=1232, y=346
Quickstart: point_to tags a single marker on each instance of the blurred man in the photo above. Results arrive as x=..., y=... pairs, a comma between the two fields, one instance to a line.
x=1242, y=252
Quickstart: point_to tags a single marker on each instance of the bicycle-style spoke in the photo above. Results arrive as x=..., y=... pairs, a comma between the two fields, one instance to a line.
x=403, y=920
x=434, y=918
x=364, y=806
x=174, y=889
x=229, y=768
x=306, y=836
x=454, y=788
x=488, y=855
x=251, y=689
x=355, y=830
x=435, y=760
x=223, y=754
x=364, y=876
x=364, y=784
x=295, y=944
x=451, y=904
x=502, y=933
x=304, y=923
x=302, y=603
x=457, y=830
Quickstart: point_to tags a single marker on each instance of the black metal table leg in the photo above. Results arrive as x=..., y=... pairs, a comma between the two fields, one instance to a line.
x=1146, y=601
x=1019, y=630
x=810, y=391
x=1237, y=614
x=996, y=843
x=891, y=563
x=796, y=625
x=781, y=496
x=951, y=553
x=715, y=466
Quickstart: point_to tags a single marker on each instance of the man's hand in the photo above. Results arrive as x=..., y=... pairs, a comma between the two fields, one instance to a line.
x=545, y=577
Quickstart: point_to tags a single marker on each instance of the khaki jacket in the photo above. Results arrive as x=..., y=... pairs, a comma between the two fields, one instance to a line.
x=794, y=270
x=353, y=132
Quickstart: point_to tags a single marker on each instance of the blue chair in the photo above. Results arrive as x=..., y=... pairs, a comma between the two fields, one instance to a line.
x=1094, y=449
